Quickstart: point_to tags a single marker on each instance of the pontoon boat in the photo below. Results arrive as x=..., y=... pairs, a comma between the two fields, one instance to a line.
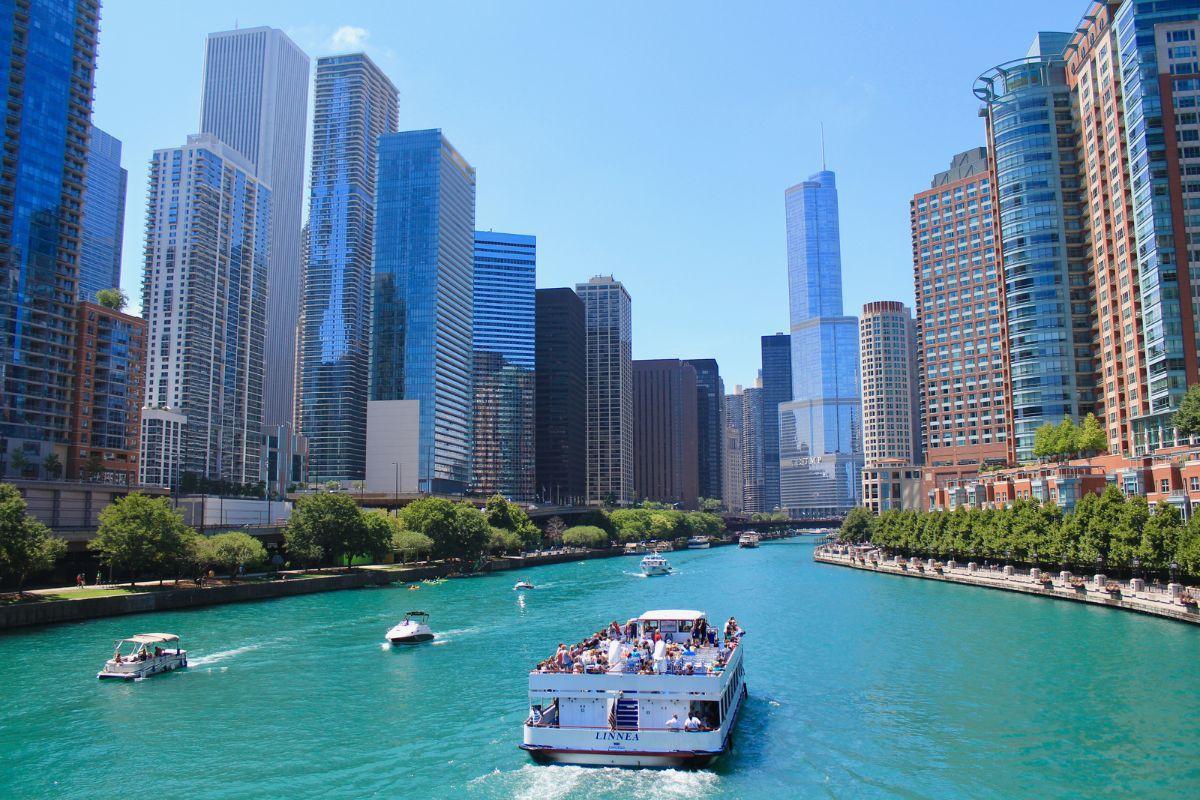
x=143, y=655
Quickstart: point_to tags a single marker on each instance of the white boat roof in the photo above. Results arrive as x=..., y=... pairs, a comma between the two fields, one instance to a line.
x=151, y=638
x=672, y=613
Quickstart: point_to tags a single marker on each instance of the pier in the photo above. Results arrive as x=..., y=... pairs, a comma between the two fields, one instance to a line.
x=1172, y=601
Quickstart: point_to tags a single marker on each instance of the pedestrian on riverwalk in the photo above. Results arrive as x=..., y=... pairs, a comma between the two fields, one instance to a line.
x=98, y=576
x=80, y=582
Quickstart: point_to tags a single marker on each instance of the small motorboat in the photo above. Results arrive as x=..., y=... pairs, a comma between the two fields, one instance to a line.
x=522, y=584
x=655, y=564
x=698, y=543
x=414, y=629
x=748, y=539
x=143, y=655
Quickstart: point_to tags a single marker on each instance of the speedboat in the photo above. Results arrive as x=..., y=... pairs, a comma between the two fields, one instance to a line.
x=143, y=655
x=748, y=539
x=698, y=543
x=522, y=584
x=619, y=712
x=414, y=629
x=655, y=564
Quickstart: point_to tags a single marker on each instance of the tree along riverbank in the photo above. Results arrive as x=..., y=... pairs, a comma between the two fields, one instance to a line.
x=1171, y=602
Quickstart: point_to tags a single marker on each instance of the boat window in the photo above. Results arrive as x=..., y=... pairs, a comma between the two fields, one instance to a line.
x=668, y=626
x=685, y=625
x=649, y=625
x=708, y=711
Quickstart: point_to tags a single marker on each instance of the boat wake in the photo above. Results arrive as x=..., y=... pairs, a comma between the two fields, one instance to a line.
x=551, y=783
x=445, y=637
x=223, y=655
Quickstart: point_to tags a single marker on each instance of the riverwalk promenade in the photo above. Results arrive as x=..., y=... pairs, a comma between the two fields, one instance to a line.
x=1173, y=601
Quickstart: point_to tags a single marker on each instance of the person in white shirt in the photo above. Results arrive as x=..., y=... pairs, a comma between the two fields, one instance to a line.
x=692, y=724
x=673, y=723
x=660, y=656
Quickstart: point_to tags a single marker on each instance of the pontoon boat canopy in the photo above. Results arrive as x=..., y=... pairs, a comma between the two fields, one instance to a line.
x=152, y=638
x=672, y=613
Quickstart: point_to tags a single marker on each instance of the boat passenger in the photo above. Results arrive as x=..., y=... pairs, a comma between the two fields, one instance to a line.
x=660, y=655
x=692, y=724
x=535, y=716
x=673, y=723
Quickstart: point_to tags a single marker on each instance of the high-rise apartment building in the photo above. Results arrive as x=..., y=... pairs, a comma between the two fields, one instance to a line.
x=160, y=461
x=753, y=435
x=256, y=101
x=110, y=352
x=820, y=428
x=1156, y=47
x=776, y=390
x=887, y=345
x=1050, y=318
x=423, y=309
x=710, y=426
x=609, y=319
x=731, y=462
x=961, y=362
x=503, y=330
x=103, y=216
x=47, y=79
x=355, y=104
x=665, y=432
x=561, y=396
x=204, y=291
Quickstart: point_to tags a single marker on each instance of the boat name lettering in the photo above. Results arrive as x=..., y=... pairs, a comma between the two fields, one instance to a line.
x=623, y=736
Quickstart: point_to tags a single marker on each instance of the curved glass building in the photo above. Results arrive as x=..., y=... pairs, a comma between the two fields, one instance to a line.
x=1032, y=135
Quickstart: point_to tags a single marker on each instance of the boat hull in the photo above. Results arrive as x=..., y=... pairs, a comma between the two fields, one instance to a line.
x=415, y=639
x=604, y=758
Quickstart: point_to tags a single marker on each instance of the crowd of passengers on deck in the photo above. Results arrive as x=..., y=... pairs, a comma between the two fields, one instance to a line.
x=619, y=649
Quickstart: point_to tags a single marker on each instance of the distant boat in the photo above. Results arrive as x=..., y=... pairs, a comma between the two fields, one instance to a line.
x=522, y=584
x=655, y=564
x=699, y=543
x=142, y=655
x=748, y=540
x=414, y=629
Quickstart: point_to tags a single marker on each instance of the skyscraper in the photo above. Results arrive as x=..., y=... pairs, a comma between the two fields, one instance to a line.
x=731, y=487
x=47, y=78
x=503, y=333
x=256, y=101
x=204, y=292
x=103, y=216
x=355, y=105
x=1047, y=277
x=422, y=312
x=710, y=426
x=961, y=342
x=776, y=390
x=609, y=390
x=561, y=397
x=820, y=428
x=665, y=432
x=887, y=344
x=753, y=434
x=1156, y=47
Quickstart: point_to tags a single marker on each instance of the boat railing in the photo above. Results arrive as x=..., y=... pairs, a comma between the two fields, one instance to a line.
x=544, y=724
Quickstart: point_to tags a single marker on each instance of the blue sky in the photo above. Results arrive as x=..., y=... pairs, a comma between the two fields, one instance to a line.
x=651, y=141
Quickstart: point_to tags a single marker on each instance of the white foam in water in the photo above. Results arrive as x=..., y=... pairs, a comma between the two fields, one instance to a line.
x=222, y=655
x=557, y=783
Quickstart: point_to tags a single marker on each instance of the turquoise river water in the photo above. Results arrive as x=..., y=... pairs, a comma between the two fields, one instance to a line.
x=861, y=685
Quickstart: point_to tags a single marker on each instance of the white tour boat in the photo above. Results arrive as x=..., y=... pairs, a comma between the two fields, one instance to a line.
x=661, y=547
x=522, y=584
x=698, y=543
x=414, y=629
x=676, y=709
x=654, y=564
x=143, y=655
x=748, y=539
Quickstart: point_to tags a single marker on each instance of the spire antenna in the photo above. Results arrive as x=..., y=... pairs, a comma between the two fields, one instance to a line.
x=822, y=124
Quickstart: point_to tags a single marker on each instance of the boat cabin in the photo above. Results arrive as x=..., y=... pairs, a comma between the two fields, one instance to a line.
x=675, y=625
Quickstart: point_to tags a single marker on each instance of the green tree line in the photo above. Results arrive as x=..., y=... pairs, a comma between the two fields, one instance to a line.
x=1108, y=527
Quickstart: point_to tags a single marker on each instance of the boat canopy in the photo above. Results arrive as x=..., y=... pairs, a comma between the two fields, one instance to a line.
x=672, y=613
x=421, y=614
x=152, y=638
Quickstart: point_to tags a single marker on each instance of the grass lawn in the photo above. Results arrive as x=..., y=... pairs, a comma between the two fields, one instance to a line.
x=90, y=592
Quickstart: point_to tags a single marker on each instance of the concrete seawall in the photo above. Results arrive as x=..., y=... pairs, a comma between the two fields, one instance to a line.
x=1159, y=604
x=49, y=612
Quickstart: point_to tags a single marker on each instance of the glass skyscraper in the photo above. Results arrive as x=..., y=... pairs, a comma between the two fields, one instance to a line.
x=820, y=429
x=103, y=216
x=776, y=390
x=503, y=457
x=561, y=396
x=710, y=426
x=355, y=105
x=256, y=101
x=609, y=318
x=1032, y=133
x=423, y=307
x=47, y=78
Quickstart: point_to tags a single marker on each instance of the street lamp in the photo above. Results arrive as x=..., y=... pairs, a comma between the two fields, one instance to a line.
x=1007, y=557
x=1099, y=564
x=396, y=466
x=1137, y=567
x=1174, y=571
x=1034, y=556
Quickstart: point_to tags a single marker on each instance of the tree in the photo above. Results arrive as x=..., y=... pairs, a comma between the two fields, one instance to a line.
x=26, y=546
x=500, y=513
x=1161, y=536
x=1043, y=445
x=1187, y=418
x=1187, y=552
x=711, y=505
x=139, y=534
x=458, y=530
x=52, y=465
x=502, y=540
x=411, y=545
x=325, y=526
x=1127, y=535
x=94, y=465
x=235, y=549
x=1065, y=439
x=1090, y=438
x=554, y=530
x=18, y=462
x=112, y=298
x=375, y=536
x=588, y=536
x=857, y=525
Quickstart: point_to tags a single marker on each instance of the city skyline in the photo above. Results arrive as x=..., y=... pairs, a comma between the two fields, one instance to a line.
x=515, y=196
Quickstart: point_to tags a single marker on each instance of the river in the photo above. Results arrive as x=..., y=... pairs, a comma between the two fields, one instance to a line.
x=861, y=685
